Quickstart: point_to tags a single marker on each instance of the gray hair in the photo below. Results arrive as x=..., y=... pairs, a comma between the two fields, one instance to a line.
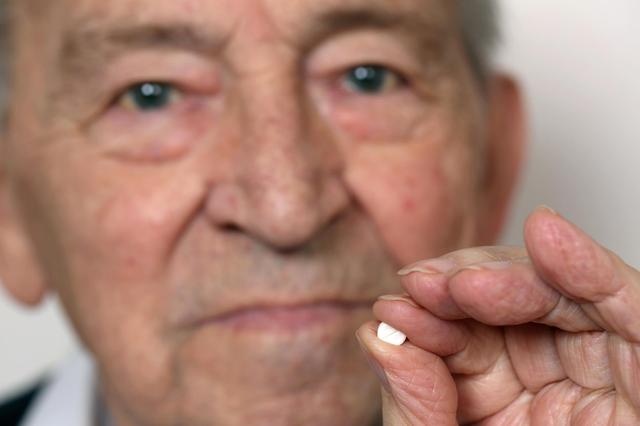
x=478, y=21
x=4, y=55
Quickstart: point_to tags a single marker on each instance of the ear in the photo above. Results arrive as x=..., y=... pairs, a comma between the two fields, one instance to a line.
x=20, y=273
x=503, y=156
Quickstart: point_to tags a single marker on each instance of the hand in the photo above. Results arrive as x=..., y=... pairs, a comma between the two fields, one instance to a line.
x=549, y=335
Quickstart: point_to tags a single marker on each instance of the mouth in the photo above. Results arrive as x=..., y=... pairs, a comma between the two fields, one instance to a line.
x=286, y=317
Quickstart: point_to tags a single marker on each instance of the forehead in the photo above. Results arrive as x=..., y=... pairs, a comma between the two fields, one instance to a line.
x=286, y=18
x=224, y=9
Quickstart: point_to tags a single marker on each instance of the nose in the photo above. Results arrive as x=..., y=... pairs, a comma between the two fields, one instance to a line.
x=286, y=186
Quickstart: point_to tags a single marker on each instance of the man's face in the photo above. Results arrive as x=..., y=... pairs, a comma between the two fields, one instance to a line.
x=217, y=190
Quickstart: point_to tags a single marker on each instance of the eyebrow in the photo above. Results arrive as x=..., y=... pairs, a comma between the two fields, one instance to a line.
x=81, y=47
x=416, y=26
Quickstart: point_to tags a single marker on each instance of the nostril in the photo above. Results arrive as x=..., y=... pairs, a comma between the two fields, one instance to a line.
x=230, y=228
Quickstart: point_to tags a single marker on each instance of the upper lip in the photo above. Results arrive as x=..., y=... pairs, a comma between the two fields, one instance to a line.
x=227, y=313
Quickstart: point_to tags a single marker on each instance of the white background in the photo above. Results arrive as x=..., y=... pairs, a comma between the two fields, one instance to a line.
x=579, y=62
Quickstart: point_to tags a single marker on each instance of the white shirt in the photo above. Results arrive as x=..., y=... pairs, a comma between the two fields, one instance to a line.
x=68, y=398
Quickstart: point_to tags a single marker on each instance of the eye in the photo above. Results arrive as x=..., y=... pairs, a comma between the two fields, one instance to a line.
x=371, y=79
x=149, y=96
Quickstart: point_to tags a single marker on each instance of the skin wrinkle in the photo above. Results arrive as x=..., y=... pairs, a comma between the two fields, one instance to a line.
x=90, y=46
x=85, y=53
x=501, y=367
x=479, y=38
x=629, y=356
x=177, y=261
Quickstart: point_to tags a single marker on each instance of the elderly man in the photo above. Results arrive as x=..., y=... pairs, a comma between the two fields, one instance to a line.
x=219, y=190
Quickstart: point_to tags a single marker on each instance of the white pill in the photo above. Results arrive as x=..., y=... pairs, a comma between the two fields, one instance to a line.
x=390, y=335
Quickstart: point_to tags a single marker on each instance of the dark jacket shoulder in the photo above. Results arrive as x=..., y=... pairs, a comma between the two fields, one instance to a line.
x=13, y=409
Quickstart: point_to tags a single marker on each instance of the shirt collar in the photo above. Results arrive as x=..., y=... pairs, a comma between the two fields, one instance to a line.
x=68, y=399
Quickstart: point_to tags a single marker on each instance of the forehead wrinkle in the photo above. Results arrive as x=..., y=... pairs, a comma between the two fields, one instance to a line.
x=96, y=36
x=104, y=42
x=96, y=32
x=427, y=29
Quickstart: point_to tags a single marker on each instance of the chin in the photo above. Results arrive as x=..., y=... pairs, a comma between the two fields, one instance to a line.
x=222, y=374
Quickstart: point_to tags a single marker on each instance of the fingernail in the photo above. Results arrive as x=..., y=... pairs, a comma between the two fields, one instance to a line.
x=432, y=266
x=398, y=298
x=493, y=266
x=543, y=207
x=375, y=366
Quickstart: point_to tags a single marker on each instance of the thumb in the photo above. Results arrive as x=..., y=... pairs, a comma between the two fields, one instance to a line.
x=417, y=388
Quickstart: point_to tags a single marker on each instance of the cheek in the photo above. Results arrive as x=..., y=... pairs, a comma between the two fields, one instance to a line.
x=124, y=225
x=104, y=236
x=419, y=208
x=142, y=217
x=114, y=233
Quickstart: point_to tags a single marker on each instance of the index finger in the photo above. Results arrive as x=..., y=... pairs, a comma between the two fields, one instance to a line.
x=427, y=281
x=498, y=293
x=574, y=264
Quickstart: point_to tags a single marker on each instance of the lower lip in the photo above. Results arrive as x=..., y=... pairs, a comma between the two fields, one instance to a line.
x=288, y=318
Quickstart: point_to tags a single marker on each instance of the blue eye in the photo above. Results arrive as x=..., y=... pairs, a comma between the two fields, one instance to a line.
x=149, y=96
x=371, y=79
